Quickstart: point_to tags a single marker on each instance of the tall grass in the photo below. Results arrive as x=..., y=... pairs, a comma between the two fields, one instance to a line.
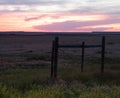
x=58, y=91
x=35, y=82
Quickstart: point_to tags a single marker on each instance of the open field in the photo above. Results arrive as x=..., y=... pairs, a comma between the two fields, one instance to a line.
x=25, y=68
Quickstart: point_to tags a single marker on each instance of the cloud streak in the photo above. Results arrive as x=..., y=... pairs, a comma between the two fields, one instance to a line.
x=30, y=2
x=62, y=6
x=58, y=22
x=78, y=25
x=60, y=15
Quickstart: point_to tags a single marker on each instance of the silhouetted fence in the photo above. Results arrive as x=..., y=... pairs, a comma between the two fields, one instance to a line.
x=56, y=46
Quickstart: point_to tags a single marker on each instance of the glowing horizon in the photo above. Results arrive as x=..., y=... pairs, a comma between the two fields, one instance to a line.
x=59, y=15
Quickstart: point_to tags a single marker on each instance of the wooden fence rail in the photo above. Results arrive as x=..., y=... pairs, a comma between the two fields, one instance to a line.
x=56, y=46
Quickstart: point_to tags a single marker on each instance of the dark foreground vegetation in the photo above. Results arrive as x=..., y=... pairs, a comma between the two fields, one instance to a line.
x=33, y=80
x=25, y=68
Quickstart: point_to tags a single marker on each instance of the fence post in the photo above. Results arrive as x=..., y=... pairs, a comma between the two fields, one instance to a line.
x=82, y=56
x=52, y=59
x=56, y=57
x=103, y=54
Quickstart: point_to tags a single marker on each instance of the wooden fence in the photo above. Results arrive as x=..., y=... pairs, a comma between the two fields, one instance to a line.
x=56, y=46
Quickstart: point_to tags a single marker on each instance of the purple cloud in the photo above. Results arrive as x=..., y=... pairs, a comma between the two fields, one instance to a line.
x=63, y=26
x=75, y=25
x=33, y=18
x=96, y=29
x=42, y=16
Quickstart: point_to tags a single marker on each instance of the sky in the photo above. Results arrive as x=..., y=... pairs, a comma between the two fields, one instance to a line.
x=60, y=15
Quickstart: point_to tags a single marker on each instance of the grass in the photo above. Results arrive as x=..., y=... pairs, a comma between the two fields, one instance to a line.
x=38, y=57
x=57, y=91
x=60, y=91
x=35, y=82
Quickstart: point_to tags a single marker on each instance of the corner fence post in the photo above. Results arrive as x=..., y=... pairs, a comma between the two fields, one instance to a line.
x=52, y=59
x=103, y=54
x=82, y=56
x=56, y=57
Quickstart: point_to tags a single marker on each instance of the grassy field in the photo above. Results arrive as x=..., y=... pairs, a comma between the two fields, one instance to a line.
x=34, y=81
x=25, y=70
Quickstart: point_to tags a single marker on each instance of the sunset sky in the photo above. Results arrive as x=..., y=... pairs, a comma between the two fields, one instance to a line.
x=60, y=15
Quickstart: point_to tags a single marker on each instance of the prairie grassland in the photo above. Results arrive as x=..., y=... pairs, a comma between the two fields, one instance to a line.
x=35, y=82
x=25, y=69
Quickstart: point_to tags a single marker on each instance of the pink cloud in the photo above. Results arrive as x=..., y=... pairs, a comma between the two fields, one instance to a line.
x=43, y=16
x=78, y=25
x=96, y=29
x=31, y=18
x=58, y=22
x=59, y=26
